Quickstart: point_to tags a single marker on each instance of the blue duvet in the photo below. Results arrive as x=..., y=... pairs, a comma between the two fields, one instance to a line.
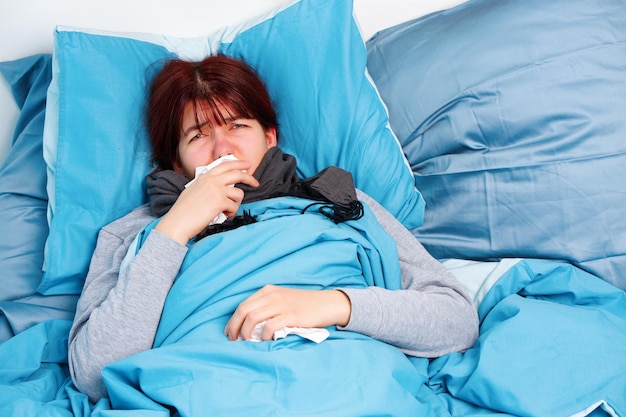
x=552, y=341
x=195, y=370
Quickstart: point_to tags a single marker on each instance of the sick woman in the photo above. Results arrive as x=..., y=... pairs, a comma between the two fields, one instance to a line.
x=292, y=253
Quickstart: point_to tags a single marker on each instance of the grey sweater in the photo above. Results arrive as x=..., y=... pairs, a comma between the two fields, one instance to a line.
x=118, y=313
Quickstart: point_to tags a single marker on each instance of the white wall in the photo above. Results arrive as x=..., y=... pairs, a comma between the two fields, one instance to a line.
x=26, y=27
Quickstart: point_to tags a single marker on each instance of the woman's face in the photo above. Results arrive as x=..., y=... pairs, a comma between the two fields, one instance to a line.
x=202, y=141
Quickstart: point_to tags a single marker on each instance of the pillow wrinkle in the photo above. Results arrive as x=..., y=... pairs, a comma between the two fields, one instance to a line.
x=511, y=116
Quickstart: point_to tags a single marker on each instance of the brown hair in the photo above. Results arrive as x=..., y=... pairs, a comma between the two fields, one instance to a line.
x=218, y=81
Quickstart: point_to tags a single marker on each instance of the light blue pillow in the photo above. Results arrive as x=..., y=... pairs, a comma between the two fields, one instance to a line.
x=512, y=115
x=102, y=155
x=311, y=56
x=23, y=198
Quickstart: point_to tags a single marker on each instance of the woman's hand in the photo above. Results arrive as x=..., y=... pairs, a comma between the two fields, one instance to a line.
x=282, y=307
x=212, y=193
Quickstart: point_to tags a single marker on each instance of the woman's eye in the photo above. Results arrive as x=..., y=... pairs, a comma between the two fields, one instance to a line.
x=198, y=136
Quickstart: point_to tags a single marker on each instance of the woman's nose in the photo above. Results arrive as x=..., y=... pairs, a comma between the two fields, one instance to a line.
x=222, y=146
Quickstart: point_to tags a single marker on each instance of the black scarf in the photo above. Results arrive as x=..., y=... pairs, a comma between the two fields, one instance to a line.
x=332, y=190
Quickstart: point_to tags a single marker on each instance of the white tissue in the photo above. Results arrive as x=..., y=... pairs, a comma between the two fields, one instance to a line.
x=313, y=334
x=206, y=168
x=220, y=218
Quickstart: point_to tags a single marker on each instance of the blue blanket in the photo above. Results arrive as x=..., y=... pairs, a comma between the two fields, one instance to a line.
x=196, y=370
x=552, y=341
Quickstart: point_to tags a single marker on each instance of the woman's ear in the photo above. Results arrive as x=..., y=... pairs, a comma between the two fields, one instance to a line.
x=178, y=168
x=270, y=137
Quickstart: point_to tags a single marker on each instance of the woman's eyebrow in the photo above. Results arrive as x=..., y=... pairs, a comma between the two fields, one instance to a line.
x=231, y=119
x=191, y=128
x=199, y=126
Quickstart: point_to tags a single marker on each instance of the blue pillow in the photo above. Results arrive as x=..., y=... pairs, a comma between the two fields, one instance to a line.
x=102, y=153
x=512, y=116
x=311, y=56
x=23, y=199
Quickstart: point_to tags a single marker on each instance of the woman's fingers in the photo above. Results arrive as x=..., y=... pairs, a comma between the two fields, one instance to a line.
x=227, y=174
x=234, y=172
x=280, y=307
x=197, y=205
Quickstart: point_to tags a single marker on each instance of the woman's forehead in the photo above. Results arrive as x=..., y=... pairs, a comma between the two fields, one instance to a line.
x=205, y=112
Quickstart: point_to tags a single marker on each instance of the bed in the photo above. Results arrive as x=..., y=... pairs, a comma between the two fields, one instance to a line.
x=494, y=130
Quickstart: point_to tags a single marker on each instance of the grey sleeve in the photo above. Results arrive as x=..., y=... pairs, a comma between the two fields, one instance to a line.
x=118, y=314
x=431, y=316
